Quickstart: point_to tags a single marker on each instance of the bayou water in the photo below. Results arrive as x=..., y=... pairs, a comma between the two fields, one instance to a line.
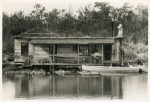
x=131, y=86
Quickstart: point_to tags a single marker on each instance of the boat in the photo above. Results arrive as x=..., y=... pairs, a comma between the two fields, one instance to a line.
x=144, y=69
x=111, y=69
x=83, y=73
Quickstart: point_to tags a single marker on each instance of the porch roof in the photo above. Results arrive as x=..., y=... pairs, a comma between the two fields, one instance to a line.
x=73, y=40
x=47, y=37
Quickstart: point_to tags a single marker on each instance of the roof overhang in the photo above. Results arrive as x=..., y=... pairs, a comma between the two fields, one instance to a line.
x=72, y=40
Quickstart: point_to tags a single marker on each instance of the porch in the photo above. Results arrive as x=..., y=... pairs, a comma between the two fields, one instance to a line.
x=70, y=54
x=64, y=51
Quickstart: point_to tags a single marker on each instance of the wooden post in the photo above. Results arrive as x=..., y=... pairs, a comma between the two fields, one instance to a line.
x=28, y=86
x=14, y=49
x=111, y=87
x=53, y=83
x=53, y=53
x=90, y=53
x=102, y=55
x=118, y=50
x=78, y=85
x=53, y=57
x=111, y=55
x=78, y=54
x=123, y=56
x=50, y=58
x=102, y=85
x=117, y=86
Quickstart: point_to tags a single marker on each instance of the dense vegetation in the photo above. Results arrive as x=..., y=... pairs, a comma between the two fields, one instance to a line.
x=100, y=20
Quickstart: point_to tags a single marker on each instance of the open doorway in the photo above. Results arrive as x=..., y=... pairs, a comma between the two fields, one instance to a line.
x=24, y=49
x=107, y=52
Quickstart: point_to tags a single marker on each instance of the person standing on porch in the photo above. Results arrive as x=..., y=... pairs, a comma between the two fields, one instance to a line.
x=97, y=56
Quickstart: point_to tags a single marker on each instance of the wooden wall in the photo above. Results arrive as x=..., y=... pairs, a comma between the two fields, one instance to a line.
x=99, y=48
x=31, y=49
x=115, y=51
x=17, y=50
x=41, y=52
x=65, y=49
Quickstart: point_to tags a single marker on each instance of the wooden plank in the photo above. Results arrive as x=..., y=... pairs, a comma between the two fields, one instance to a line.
x=17, y=53
x=74, y=41
x=17, y=50
x=41, y=54
x=20, y=40
x=41, y=57
x=14, y=50
x=19, y=60
x=44, y=57
x=69, y=59
x=17, y=44
x=90, y=53
x=18, y=47
x=41, y=48
x=41, y=45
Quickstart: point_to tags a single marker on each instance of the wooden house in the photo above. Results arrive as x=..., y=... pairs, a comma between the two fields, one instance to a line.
x=46, y=48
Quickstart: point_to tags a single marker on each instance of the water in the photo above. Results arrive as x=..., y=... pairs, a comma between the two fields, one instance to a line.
x=101, y=87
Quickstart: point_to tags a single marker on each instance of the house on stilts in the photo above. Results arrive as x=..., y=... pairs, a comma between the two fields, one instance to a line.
x=45, y=48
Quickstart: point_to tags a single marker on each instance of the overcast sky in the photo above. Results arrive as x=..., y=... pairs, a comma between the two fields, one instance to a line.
x=28, y=6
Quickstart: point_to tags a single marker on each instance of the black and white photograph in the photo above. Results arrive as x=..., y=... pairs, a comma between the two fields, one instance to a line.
x=73, y=50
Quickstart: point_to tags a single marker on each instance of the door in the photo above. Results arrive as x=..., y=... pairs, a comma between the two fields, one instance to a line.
x=24, y=49
x=107, y=52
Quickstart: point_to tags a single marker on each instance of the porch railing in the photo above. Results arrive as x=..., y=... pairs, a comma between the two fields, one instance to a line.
x=68, y=59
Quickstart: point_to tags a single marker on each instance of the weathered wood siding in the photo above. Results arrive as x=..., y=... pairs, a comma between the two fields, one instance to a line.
x=17, y=50
x=115, y=51
x=31, y=49
x=66, y=50
x=99, y=48
x=63, y=49
x=74, y=40
x=41, y=52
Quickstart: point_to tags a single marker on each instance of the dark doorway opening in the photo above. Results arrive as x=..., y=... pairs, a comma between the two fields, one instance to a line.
x=107, y=52
x=24, y=49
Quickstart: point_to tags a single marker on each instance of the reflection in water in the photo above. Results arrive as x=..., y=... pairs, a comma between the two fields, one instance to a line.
x=76, y=86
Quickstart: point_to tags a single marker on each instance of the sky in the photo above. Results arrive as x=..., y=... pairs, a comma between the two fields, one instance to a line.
x=27, y=6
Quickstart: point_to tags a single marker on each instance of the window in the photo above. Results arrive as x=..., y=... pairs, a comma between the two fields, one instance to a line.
x=24, y=49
